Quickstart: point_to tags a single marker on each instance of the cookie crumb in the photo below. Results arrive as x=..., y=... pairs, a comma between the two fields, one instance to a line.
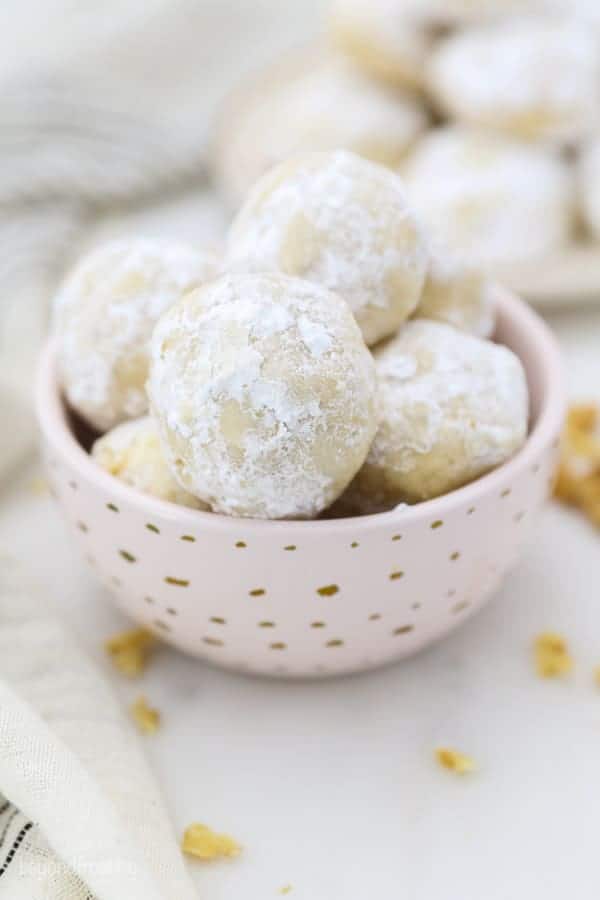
x=129, y=651
x=203, y=843
x=551, y=654
x=578, y=478
x=145, y=717
x=597, y=675
x=286, y=889
x=454, y=761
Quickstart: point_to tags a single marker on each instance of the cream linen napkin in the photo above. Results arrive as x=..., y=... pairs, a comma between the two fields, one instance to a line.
x=81, y=818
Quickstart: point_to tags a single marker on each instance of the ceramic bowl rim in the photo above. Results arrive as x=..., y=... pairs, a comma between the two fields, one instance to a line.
x=53, y=423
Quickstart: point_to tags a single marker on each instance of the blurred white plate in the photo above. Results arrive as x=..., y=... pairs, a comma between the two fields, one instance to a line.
x=570, y=278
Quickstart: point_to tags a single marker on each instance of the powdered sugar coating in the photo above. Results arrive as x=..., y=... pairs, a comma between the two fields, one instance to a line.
x=132, y=453
x=452, y=408
x=381, y=38
x=542, y=78
x=457, y=293
x=491, y=199
x=588, y=184
x=342, y=222
x=264, y=393
x=325, y=105
x=104, y=315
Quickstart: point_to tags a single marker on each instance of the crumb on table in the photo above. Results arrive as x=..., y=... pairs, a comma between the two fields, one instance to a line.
x=203, y=843
x=130, y=650
x=286, y=889
x=578, y=479
x=552, y=658
x=454, y=761
x=145, y=717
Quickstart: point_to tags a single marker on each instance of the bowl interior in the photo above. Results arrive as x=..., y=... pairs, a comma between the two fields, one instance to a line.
x=518, y=327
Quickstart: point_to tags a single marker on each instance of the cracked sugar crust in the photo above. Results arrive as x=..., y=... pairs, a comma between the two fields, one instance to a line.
x=133, y=454
x=325, y=104
x=341, y=222
x=488, y=198
x=457, y=293
x=264, y=393
x=104, y=315
x=453, y=407
x=542, y=78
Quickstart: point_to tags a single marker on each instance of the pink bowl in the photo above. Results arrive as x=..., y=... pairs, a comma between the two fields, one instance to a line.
x=311, y=598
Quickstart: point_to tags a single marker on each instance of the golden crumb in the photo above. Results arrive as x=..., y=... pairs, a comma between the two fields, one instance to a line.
x=567, y=487
x=583, y=417
x=454, y=761
x=130, y=650
x=200, y=841
x=551, y=654
x=286, y=889
x=145, y=717
x=578, y=480
x=597, y=675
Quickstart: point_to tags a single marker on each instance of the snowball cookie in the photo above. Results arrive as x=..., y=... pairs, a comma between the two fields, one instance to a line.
x=341, y=222
x=490, y=198
x=264, y=393
x=452, y=408
x=535, y=79
x=381, y=38
x=457, y=293
x=588, y=185
x=104, y=316
x=132, y=453
x=324, y=104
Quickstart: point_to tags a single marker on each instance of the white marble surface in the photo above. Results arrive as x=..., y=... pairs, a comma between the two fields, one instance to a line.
x=331, y=786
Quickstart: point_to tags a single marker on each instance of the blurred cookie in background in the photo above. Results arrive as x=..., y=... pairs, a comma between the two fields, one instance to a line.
x=312, y=102
x=497, y=199
x=534, y=79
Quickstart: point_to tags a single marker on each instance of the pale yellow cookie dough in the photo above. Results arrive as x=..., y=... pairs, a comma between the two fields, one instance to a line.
x=104, y=315
x=341, y=222
x=264, y=393
x=453, y=407
x=132, y=453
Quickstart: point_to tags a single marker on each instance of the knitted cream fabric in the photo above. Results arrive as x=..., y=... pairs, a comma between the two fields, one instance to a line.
x=81, y=816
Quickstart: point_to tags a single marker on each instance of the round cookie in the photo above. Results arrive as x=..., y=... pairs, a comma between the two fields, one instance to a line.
x=453, y=407
x=541, y=78
x=491, y=199
x=458, y=294
x=342, y=222
x=588, y=185
x=132, y=453
x=323, y=104
x=104, y=315
x=264, y=393
x=381, y=38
